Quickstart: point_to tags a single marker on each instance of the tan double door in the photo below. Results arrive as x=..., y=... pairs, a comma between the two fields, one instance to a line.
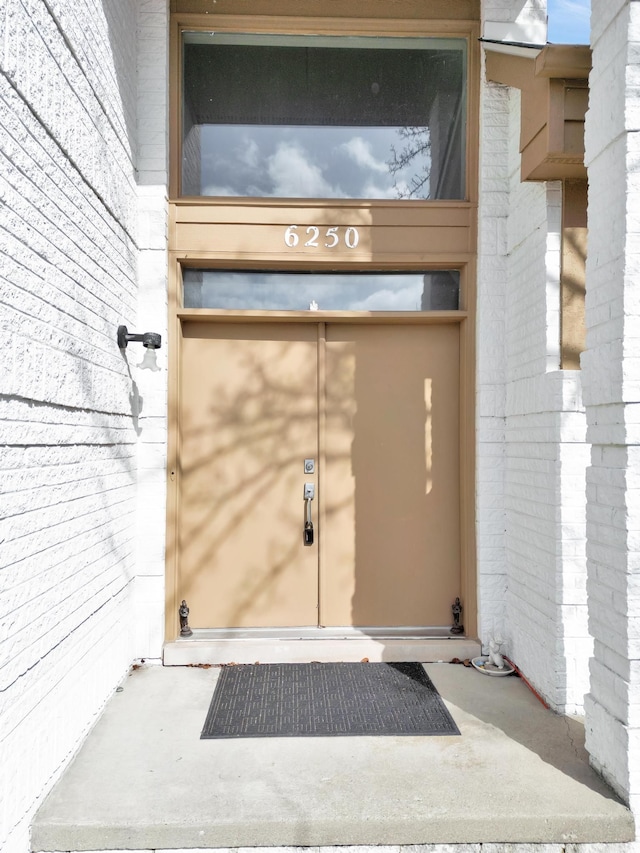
x=376, y=407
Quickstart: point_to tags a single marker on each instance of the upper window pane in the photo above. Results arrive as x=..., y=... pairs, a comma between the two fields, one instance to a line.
x=435, y=290
x=323, y=117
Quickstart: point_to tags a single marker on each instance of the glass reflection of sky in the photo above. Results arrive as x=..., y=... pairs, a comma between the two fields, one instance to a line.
x=297, y=291
x=306, y=162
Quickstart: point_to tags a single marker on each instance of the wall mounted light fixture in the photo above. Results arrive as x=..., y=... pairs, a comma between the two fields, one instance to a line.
x=151, y=341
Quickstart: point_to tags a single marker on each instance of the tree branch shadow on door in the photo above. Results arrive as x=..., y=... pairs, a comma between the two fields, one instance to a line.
x=390, y=488
x=242, y=511
x=399, y=386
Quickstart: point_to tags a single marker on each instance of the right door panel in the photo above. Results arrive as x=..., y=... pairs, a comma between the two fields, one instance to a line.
x=391, y=481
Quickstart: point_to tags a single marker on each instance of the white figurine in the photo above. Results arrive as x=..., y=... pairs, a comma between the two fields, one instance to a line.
x=495, y=657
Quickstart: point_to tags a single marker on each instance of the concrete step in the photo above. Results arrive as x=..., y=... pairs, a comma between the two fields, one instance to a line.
x=300, y=645
x=145, y=781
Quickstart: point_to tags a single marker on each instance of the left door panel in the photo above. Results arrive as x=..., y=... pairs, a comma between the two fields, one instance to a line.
x=248, y=420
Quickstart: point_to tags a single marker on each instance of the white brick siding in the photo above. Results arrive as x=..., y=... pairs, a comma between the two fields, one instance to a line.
x=531, y=477
x=70, y=261
x=83, y=221
x=612, y=393
x=152, y=118
x=490, y=396
x=524, y=21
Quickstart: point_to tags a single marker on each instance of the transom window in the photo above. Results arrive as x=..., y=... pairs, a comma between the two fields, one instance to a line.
x=433, y=290
x=323, y=117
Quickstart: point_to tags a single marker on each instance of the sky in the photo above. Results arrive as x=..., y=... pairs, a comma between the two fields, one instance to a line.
x=568, y=21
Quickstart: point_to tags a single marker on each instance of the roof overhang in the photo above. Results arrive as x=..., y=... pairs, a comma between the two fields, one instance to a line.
x=554, y=81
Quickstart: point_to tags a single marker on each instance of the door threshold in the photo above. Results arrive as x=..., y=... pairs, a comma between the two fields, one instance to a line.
x=301, y=645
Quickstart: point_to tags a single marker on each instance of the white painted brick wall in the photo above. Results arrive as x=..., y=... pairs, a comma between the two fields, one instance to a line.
x=533, y=580
x=71, y=216
x=490, y=414
x=524, y=21
x=612, y=394
x=73, y=243
x=545, y=499
x=152, y=134
x=63, y=89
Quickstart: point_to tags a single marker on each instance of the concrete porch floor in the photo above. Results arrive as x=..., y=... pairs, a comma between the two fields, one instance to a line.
x=144, y=780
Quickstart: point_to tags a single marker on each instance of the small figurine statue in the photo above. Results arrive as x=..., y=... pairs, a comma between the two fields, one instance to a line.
x=456, y=609
x=494, y=656
x=185, y=630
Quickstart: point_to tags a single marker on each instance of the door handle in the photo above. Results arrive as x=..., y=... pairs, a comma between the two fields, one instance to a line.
x=309, y=493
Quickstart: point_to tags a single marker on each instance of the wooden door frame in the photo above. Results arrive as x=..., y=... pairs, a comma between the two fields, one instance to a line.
x=466, y=403
x=445, y=231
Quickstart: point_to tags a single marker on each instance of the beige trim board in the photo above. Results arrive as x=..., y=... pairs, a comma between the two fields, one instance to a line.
x=300, y=645
x=571, y=61
x=406, y=318
x=410, y=9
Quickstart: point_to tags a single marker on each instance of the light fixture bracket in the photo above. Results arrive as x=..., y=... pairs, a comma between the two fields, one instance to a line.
x=151, y=340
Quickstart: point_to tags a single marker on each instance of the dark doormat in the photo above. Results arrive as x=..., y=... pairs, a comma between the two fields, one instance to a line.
x=326, y=699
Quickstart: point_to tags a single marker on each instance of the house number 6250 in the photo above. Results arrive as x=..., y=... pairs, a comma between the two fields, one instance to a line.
x=329, y=238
